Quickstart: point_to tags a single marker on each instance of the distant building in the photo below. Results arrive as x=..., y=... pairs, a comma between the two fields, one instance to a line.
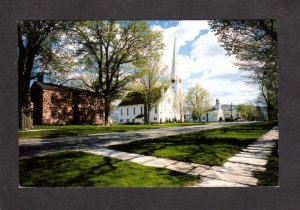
x=230, y=111
x=55, y=104
x=168, y=109
x=215, y=114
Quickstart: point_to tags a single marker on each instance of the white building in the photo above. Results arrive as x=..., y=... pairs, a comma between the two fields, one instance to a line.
x=169, y=107
x=215, y=114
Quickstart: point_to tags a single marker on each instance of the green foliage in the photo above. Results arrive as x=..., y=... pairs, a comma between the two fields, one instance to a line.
x=210, y=147
x=197, y=100
x=150, y=82
x=254, y=43
x=34, y=38
x=250, y=112
x=78, y=169
x=107, y=51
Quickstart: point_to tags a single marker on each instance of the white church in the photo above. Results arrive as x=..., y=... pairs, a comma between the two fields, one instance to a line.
x=169, y=108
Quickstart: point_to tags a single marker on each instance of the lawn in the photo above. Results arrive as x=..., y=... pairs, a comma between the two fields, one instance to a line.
x=210, y=147
x=270, y=176
x=77, y=130
x=78, y=169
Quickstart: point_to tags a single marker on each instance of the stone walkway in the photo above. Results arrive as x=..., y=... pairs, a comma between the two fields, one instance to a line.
x=183, y=167
x=236, y=172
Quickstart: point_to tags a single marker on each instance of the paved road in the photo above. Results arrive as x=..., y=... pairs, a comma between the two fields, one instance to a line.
x=44, y=146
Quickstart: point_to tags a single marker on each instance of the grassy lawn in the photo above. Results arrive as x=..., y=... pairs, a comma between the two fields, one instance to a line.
x=210, y=147
x=78, y=169
x=77, y=130
x=270, y=176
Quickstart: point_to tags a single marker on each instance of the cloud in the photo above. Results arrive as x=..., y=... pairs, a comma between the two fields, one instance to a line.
x=206, y=62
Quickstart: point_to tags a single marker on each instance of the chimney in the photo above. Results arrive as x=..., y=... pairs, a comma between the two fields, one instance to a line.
x=40, y=77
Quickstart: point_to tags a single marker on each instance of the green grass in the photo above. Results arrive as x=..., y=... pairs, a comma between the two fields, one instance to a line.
x=78, y=169
x=77, y=130
x=210, y=147
x=270, y=176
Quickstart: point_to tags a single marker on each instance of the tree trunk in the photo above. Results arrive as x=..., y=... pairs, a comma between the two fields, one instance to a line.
x=106, y=111
x=25, y=64
x=148, y=114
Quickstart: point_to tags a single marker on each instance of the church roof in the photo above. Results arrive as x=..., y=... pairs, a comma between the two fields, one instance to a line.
x=228, y=106
x=132, y=98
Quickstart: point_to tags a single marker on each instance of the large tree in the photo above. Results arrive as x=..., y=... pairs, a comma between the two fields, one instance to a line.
x=151, y=82
x=110, y=49
x=32, y=36
x=197, y=100
x=254, y=43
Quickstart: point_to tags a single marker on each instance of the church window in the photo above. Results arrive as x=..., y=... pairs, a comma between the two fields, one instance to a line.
x=134, y=110
x=155, y=110
x=121, y=111
x=141, y=109
x=121, y=121
x=155, y=118
x=127, y=111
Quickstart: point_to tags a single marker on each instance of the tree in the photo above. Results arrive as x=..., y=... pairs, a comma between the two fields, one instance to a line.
x=31, y=38
x=151, y=83
x=197, y=100
x=254, y=43
x=110, y=49
x=247, y=111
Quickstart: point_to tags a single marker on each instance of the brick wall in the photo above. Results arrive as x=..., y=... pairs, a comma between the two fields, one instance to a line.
x=71, y=107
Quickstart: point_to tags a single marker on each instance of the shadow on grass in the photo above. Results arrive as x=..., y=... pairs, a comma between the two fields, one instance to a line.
x=77, y=169
x=209, y=147
x=270, y=176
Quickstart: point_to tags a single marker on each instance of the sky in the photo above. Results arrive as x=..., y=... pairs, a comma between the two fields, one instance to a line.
x=201, y=59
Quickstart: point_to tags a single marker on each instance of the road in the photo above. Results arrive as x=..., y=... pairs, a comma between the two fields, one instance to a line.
x=92, y=141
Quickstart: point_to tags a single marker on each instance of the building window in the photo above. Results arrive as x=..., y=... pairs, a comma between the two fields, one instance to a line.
x=155, y=118
x=64, y=113
x=141, y=109
x=53, y=112
x=121, y=121
x=155, y=110
x=127, y=111
x=127, y=120
x=134, y=110
x=121, y=111
x=53, y=98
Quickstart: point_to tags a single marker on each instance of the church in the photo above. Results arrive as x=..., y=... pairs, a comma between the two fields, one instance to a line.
x=217, y=113
x=168, y=109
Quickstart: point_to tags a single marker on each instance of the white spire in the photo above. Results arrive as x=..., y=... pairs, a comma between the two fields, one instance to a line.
x=174, y=73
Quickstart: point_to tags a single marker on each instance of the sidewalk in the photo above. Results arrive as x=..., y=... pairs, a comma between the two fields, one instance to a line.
x=236, y=172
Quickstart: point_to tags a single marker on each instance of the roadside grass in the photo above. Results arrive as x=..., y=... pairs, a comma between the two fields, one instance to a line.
x=209, y=147
x=77, y=130
x=78, y=169
x=270, y=176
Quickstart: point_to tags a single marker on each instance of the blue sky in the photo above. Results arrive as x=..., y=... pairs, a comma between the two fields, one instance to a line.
x=202, y=60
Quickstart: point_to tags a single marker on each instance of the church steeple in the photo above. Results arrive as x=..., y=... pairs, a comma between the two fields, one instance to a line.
x=174, y=70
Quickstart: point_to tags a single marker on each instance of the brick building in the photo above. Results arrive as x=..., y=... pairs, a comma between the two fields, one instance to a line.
x=57, y=105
